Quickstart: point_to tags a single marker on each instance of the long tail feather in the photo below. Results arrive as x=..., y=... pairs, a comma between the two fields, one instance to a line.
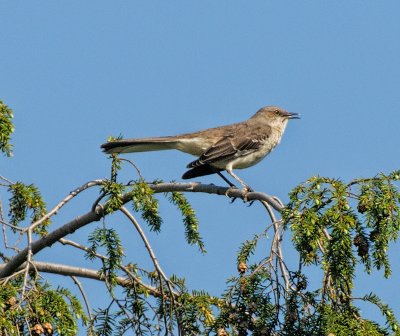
x=139, y=145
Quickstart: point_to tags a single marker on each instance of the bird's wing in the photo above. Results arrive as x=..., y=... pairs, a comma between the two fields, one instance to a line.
x=202, y=170
x=230, y=147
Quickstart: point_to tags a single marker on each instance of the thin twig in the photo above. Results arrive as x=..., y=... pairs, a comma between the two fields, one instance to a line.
x=28, y=326
x=28, y=263
x=124, y=268
x=63, y=202
x=3, y=223
x=80, y=287
x=326, y=233
x=146, y=242
x=134, y=166
x=80, y=247
x=160, y=272
x=14, y=275
x=6, y=179
x=152, y=255
x=97, y=200
x=103, y=257
x=276, y=241
x=16, y=228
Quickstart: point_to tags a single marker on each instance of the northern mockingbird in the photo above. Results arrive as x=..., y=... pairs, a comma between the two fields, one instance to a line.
x=235, y=146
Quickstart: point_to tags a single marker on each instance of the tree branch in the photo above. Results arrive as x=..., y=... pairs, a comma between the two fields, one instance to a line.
x=217, y=190
x=96, y=215
x=87, y=273
x=146, y=243
x=85, y=299
x=48, y=240
x=70, y=196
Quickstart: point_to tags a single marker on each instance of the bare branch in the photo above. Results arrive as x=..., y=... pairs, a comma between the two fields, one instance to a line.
x=222, y=191
x=277, y=244
x=146, y=243
x=65, y=270
x=70, y=196
x=126, y=269
x=93, y=216
x=79, y=246
x=6, y=179
x=48, y=240
x=28, y=262
x=134, y=166
x=79, y=285
x=153, y=257
x=16, y=228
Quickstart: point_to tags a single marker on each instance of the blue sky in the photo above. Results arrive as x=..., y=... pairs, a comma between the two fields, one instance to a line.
x=77, y=72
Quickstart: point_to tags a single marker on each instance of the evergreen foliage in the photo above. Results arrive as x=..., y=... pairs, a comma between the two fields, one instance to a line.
x=334, y=226
x=6, y=129
x=55, y=311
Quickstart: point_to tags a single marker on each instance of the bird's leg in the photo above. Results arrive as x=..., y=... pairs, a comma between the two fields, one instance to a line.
x=237, y=178
x=247, y=189
x=226, y=180
x=231, y=185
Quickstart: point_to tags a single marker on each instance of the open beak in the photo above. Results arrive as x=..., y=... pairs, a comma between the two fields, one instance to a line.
x=291, y=115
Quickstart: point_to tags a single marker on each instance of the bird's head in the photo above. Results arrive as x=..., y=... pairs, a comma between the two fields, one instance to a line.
x=274, y=115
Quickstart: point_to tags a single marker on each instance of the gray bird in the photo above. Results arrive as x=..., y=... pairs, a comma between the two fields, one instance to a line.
x=235, y=146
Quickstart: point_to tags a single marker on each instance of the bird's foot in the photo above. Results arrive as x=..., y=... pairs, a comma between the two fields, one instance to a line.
x=251, y=203
x=245, y=192
x=248, y=188
x=231, y=188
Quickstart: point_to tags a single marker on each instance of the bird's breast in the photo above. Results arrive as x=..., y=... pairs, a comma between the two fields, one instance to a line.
x=247, y=158
x=250, y=158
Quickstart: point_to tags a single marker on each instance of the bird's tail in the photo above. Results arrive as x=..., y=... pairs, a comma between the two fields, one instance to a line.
x=139, y=145
x=202, y=170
